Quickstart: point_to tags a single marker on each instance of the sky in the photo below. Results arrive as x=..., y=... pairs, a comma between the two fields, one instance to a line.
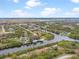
x=38, y=8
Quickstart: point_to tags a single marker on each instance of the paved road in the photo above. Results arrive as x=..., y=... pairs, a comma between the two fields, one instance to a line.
x=56, y=39
x=3, y=29
x=65, y=57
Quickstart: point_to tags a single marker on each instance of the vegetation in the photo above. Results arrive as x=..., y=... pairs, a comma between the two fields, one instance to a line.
x=9, y=43
x=74, y=57
x=47, y=36
x=49, y=51
x=46, y=52
x=74, y=35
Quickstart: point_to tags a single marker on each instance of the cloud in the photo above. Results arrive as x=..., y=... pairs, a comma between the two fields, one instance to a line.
x=15, y=1
x=19, y=13
x=50, y=11
x=32, y=3
x=74, y=12
x=75, y=1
